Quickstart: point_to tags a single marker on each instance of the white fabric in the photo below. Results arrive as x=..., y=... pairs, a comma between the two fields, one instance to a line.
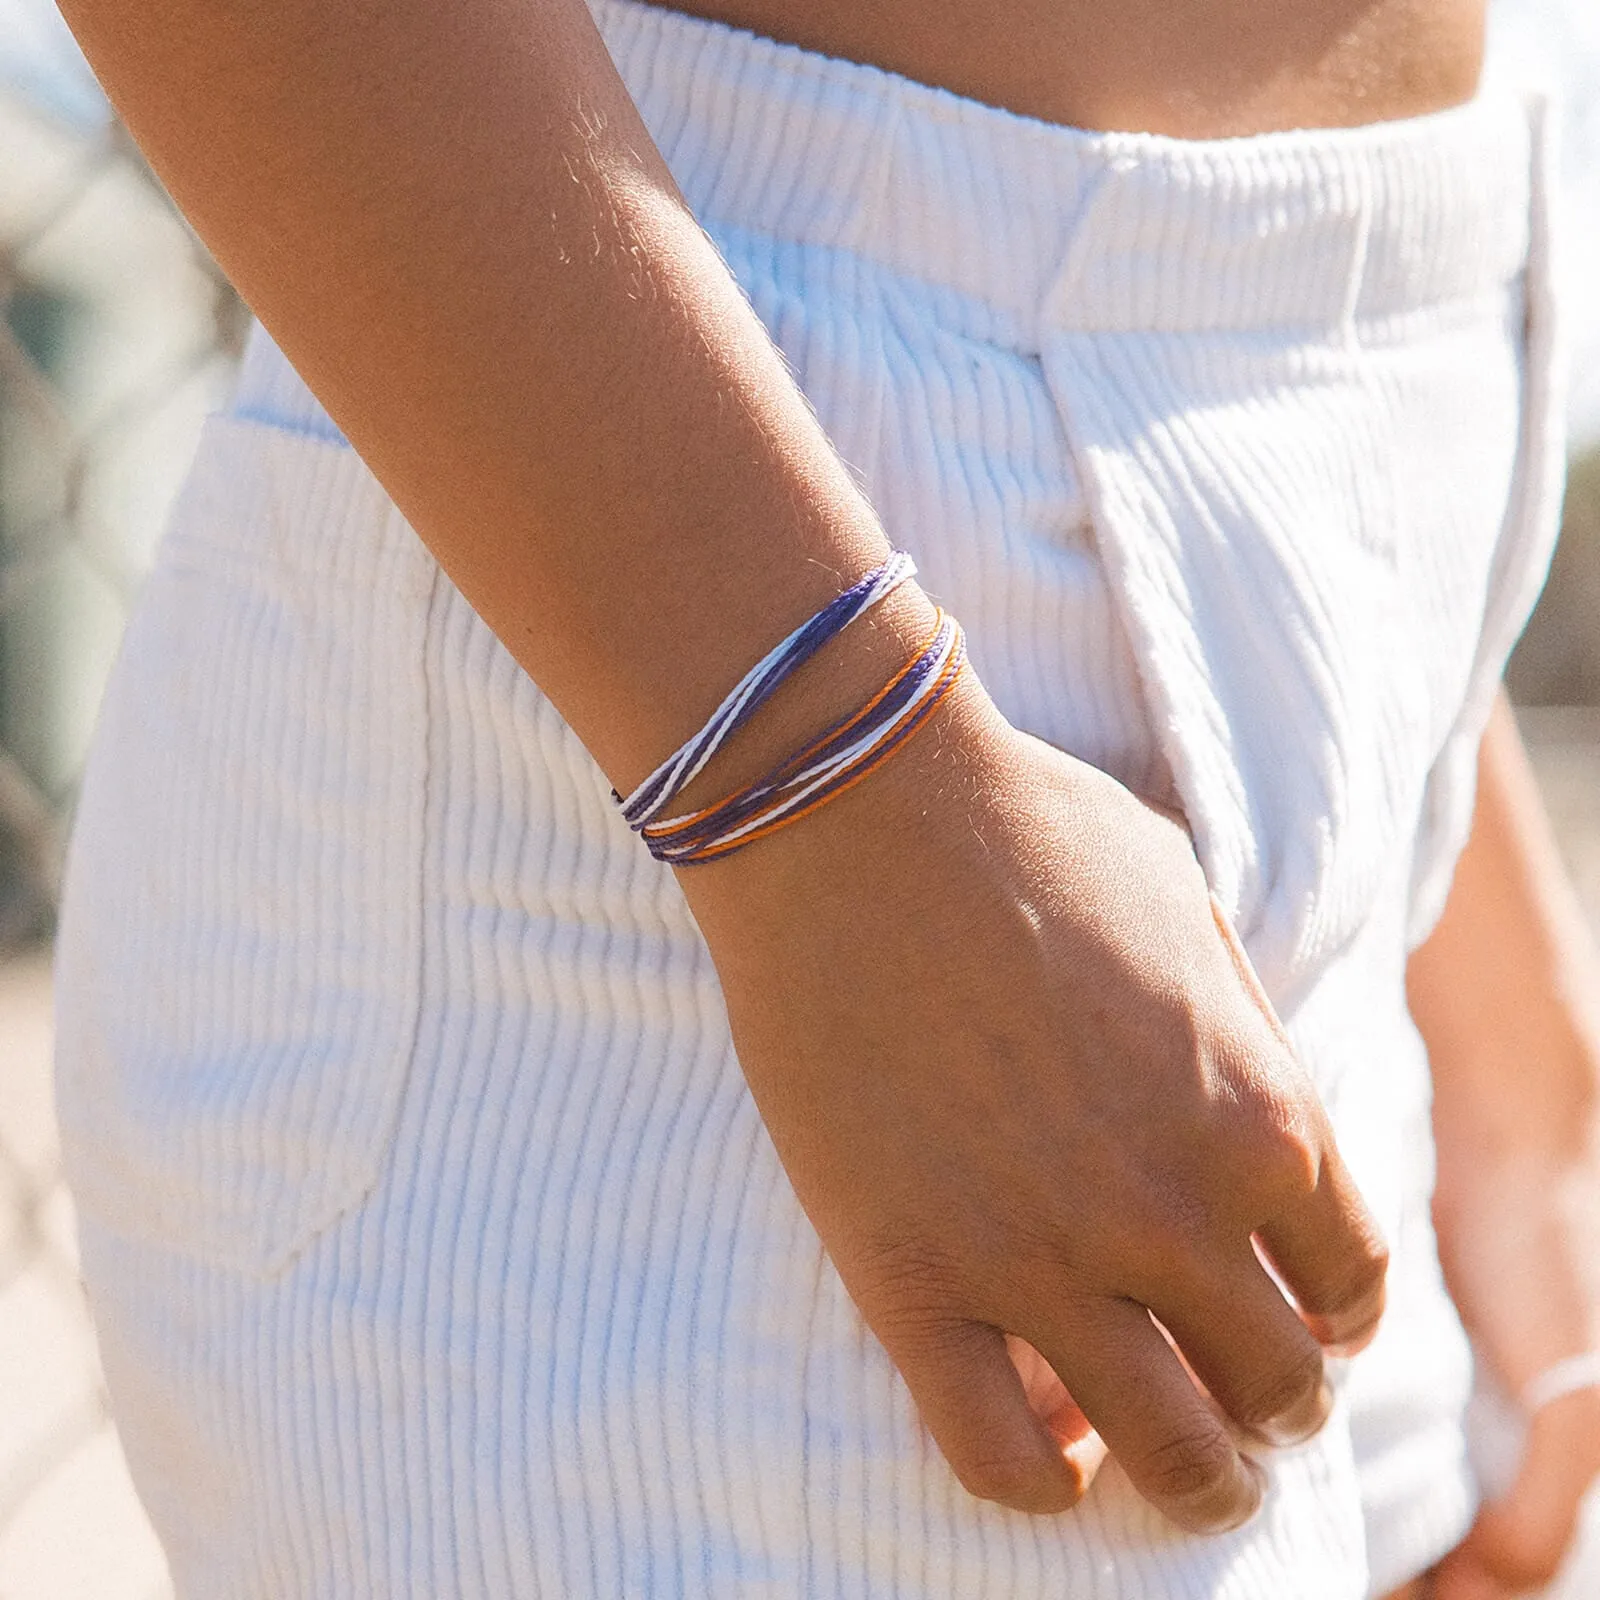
x=436, y=1245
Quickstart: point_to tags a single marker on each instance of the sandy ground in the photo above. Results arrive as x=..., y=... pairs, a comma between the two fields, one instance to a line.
x=71, y=1527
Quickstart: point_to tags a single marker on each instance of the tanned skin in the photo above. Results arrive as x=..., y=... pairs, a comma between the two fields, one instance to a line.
x=987, y=984
x=1507, y=995
x=1196, y=69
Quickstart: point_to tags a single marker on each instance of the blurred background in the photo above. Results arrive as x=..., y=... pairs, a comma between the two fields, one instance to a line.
x=117, y=335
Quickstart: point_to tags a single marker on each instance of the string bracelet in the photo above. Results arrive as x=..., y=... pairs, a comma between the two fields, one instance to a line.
x=835, y=760
x=756, y=686
x=1561, y=1379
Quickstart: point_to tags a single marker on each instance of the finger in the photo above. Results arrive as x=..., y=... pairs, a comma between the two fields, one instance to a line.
x=1520, y=1540
x=1166, y=1435
x=1329, y=1251
x=1251, y=1350
x=973, y=1402
x=1083, y=1448
x=1328, y=1248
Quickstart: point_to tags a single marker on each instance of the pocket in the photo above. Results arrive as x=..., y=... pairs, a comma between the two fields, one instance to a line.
x=1278, y=575
x=238, y=966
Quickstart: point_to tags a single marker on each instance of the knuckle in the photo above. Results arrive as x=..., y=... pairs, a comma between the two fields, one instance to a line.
x=1009, y=1480
x=916, y=1336
x=1278, y=1133
x=904, y=1279
x=1291, y=1155
x=1161, y=1238
x=1190, y=1467
x=1359, y=1280
x=1281, y=1392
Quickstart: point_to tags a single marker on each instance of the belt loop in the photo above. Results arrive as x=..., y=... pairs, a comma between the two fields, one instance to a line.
x=1055, y=311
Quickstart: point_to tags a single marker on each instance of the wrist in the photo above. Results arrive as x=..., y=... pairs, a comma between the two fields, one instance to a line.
x=929, y=787
x=841, y=676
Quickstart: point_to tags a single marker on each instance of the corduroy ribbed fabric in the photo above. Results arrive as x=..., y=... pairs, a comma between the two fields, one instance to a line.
x=436, y=1246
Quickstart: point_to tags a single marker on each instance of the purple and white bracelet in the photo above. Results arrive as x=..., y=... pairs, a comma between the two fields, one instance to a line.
x=755, y=688
x=829, y=764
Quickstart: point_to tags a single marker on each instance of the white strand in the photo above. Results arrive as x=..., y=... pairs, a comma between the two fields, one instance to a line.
x=688, y=760
x=1563, y=1378
x=813, y=778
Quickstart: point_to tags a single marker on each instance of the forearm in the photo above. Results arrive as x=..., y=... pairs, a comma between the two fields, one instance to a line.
x=1504, y=993
x=1503, y=990
x=452, y=220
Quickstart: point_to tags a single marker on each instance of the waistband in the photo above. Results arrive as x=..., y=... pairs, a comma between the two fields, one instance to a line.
x=1092, y=231
x=1056, y=229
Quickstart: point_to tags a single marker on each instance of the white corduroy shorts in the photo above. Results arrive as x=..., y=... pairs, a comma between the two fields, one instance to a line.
x=436, y=1246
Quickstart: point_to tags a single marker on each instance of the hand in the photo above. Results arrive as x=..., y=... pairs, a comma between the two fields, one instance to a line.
x=1023, y=1083
x=1519, y=1250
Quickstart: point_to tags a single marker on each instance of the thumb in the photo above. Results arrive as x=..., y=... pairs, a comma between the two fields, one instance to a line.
x=1049, y=1400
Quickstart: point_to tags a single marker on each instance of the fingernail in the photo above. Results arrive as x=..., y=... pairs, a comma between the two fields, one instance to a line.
x=1302, y=1420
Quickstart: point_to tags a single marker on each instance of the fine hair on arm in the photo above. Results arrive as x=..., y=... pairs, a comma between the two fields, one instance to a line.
x=454, y=223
